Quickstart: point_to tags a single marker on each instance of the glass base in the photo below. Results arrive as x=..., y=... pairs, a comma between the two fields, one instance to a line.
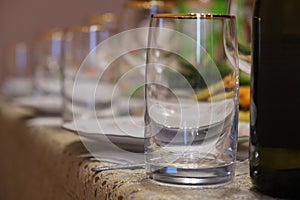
x=202, y=176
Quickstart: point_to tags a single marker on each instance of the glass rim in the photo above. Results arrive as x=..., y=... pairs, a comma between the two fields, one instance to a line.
x=83, y=28
x=91, y=28
x=149, y=4
x=193, y=16
x=51, y=34
x=102, y=18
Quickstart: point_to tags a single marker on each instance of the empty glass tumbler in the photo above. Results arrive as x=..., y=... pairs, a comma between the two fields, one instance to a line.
x=191, y=98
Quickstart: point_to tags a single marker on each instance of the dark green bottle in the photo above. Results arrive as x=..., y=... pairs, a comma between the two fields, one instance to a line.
x=275, y=98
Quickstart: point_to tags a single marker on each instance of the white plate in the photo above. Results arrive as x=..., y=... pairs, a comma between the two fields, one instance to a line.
x=244, y=131
x=48, y=104
x=45, y=121
x=126, y=132
x=85, y=91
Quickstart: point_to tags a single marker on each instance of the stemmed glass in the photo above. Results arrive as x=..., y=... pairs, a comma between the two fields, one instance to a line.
x=243, y=9
x=191, y=98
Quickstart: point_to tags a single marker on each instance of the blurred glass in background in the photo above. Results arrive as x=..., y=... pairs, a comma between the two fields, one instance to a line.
x=136, y=15
x=47, y=60
x=243, y=10
x=17, y=71
x=84, y=95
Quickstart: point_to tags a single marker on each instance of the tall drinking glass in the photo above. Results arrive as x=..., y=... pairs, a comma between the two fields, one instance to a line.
x=191, y=98
x=47, y=69
x=17, y=73
x=84, y=95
